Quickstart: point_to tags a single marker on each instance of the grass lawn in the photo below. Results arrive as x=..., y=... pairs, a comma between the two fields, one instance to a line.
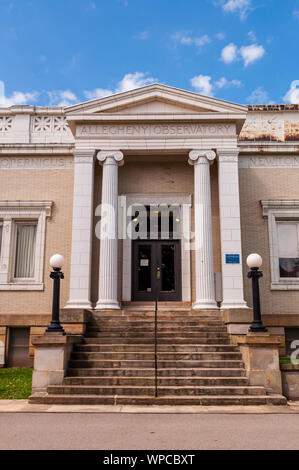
x=15, y=384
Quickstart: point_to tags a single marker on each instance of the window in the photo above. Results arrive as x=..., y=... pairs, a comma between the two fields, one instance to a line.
x=157, y=221
x=22, y=232
x=18, y=348
x=288, y=249
x=24, y=267
x=283, y=226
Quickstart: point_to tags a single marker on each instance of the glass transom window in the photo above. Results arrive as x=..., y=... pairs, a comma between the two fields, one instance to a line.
x=288, y=249
x=157, y=222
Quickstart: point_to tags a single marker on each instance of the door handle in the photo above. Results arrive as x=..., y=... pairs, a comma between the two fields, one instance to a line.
x=158, y=273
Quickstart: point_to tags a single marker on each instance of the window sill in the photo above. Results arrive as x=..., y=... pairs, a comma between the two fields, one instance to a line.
x=287, y=285
x=24, y=286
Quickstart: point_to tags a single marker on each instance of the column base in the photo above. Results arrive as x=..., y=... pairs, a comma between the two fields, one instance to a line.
x=107, y=305
x=79, y=304
x=230, y=304
x=205, y=305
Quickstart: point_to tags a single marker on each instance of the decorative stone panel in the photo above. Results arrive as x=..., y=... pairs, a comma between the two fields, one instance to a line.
x=49, y=124
x=5, y=123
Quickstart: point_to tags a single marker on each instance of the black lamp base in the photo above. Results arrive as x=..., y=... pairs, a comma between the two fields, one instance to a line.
x=257, y=328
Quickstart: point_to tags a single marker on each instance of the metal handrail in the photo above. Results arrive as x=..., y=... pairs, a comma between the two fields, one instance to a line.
x=156, y=332
x=156, y=348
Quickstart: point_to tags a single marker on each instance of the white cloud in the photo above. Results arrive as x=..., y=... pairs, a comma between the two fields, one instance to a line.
x=17, y=98
x=62, y=98
x=97, y=93
x=237, y=6
x=134, y=80
x=252, y=53
x=229, y=53
x=202, y=40
x=259, y=96
x=252, y=36
x=220, y=36
x=186, y=40
x=292, y=95
x=129, y=82
x=143, y=36
x=249, y=54
x=204, y=85
x=224, y=83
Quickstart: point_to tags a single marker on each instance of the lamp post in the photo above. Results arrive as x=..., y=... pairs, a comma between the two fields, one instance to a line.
x=56, y=262
x=254, y=262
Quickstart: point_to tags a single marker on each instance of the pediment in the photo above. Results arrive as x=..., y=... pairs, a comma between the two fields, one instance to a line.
x=156, y=99
x=157, y=106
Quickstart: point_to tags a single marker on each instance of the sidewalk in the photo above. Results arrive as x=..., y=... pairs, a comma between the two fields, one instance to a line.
x=22, y=406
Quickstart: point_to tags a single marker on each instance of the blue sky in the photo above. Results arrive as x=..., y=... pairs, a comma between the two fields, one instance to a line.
x=61, y=52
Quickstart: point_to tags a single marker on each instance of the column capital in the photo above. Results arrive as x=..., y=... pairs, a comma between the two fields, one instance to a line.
x=110, y=157
x=84, y=155
x=201, y=157
x=228, y=155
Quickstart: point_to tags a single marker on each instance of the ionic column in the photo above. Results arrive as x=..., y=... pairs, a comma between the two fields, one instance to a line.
x=229, y=207
x=108, y=299
x=204, y=266
x=82, y=230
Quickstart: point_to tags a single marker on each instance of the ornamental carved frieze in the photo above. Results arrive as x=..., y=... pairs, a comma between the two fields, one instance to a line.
x=60, y=124
x=5, y=123
x=49, y=124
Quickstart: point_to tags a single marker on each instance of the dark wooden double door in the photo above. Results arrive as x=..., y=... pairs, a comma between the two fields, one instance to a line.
x=156, y=269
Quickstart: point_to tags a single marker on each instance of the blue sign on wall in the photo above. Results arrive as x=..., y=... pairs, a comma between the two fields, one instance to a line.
x=232, y=259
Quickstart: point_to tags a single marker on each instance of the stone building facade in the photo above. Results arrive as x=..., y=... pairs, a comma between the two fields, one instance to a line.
x=228, y=175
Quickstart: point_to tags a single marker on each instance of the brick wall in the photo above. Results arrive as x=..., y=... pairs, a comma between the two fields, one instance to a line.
x=56, y=186
x=257, y=184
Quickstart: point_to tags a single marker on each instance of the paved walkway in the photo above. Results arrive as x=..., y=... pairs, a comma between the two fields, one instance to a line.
x=22, y=406
x=144, y=431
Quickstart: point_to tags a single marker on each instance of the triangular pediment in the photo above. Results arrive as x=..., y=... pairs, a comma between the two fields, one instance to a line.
x=156, y=99
x=157, y=106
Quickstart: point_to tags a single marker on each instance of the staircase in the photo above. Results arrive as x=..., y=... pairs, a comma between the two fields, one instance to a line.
x=114, y=365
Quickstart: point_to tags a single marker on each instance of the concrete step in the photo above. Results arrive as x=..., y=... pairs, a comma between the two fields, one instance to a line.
x=162, y=381
x=145, y=316
x=137, y=340
x=149, y=334
x=150, y=391
x=161, y=364
x=243, y=400
x=137, y=330
x=148, y=322
x=150, y=348
x=162, y=356
x=150, y=372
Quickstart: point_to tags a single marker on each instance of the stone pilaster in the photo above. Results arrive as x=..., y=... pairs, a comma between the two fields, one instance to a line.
x=204, y=266
x=110, y=160
x=230, y=227
x=82, y=230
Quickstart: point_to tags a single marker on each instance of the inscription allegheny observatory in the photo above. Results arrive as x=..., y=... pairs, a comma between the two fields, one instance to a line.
x=154, y=130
